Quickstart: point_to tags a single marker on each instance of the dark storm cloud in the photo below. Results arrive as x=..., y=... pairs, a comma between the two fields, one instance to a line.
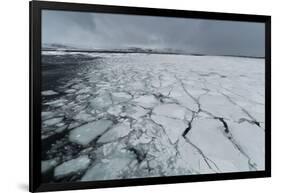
x=96, y=30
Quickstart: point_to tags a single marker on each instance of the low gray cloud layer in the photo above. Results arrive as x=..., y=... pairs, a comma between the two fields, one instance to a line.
x=97, y=30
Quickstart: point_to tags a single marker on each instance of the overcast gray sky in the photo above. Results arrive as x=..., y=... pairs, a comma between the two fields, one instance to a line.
x=98, y=30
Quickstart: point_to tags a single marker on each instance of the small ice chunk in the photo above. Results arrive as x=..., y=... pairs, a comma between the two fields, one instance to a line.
x=109, y=168
x=47, y=165
x=146, y=101
x=48, y=93
x=83, y=116
x=81, y=97
x=136, y=112
x=60, y=124
x=170, y=110
x=165, y=91
x=57, y=103
x=72, y=167
x=48, y=128
x=60, y=129
x=70, y=91
x=86, y=133
x=53, y=121
x=102, y=101
x=84, y=90
x=73, y=125
x=46, y=114
x=116, y=132
x=120, y=97
x=115, y=110
x=78, y=86
x=173, y=127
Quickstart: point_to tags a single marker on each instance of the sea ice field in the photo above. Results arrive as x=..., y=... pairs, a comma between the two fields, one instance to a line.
x=134, y=115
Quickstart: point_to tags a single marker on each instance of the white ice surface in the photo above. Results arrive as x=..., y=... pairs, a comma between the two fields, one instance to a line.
x=146, y=101
x=120, y=130
x=173, y=127
x=72, y=166
x=86, y=133
x=110, y=168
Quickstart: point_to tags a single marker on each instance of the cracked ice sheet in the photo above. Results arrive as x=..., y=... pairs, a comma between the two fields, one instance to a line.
x=127, y=114
x=251, y=139
x=207, y=135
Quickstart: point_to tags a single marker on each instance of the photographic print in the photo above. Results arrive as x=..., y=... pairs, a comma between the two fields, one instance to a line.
x=133, y=96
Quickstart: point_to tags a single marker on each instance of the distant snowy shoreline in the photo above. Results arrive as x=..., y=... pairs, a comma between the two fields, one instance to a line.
x=125, y=51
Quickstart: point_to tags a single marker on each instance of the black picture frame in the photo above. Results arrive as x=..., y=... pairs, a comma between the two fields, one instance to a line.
x=35, y=95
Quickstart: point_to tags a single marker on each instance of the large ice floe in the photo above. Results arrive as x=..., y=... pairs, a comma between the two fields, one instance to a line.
x=119, y=116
